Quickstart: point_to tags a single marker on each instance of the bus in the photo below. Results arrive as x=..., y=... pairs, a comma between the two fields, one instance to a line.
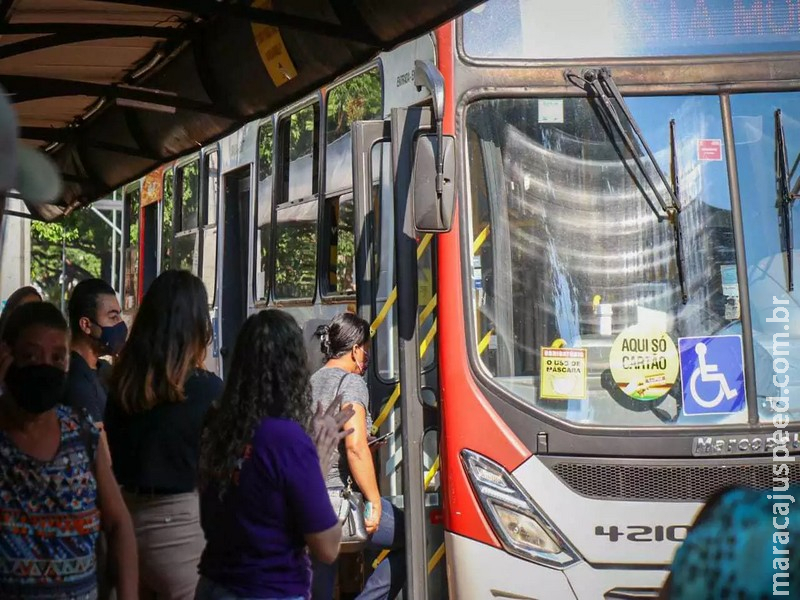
x=570, y=225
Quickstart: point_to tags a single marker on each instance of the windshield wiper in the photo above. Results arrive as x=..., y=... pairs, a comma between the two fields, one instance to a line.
x=786, y=195
x=600, y=85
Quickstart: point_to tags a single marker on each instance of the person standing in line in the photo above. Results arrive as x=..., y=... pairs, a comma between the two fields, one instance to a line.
x=263, y=496
x=159, y=395
x=345, y=344
x=57, y=490
x=95, y=320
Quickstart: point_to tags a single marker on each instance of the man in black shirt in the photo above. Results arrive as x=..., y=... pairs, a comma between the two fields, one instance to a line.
x=95, y=319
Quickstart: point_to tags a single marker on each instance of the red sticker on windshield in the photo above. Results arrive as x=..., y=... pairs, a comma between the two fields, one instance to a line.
x=709, y=149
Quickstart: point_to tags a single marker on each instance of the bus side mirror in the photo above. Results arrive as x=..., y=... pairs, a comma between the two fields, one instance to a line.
x=433, y=212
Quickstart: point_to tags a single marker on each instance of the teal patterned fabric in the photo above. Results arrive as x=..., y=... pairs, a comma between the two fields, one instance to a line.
x=49, y=520
x=740, y=546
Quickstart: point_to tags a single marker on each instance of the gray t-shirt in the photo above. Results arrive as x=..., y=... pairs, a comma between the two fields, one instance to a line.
x=352, y=391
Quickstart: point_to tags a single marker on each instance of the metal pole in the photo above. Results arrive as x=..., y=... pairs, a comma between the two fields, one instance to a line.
x=63, y=266
x=113, y=247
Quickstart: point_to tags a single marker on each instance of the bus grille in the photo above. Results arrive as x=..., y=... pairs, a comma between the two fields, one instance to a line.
x=664, y=482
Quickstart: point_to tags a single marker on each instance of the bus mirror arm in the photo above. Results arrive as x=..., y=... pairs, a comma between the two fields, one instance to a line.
x=427, y=76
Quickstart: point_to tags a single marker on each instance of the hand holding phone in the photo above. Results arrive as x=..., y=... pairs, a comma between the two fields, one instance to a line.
x=377, y=440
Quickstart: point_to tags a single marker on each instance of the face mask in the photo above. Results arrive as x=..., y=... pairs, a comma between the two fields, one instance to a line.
x=113, y=338
x=37, y=388
x=362, y=367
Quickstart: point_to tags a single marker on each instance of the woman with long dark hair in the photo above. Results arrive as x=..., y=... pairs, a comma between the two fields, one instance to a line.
x=23, y=295
x=158, y=398
x=263, y=497
x=345, y=344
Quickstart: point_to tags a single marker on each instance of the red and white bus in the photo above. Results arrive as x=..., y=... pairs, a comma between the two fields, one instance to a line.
x=571, y=226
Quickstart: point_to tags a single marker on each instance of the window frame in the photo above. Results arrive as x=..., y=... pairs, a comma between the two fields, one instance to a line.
x=169, y=173
x=203, y=218
x=127, y=191
x=280, y=191
x=262, y=302
x=178, y=232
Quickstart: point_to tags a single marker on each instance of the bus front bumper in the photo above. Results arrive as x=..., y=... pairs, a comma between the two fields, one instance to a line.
x=476, y=571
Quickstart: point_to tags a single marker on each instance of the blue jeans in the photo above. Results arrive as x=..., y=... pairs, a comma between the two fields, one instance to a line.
x=387, y=580
x=208, y=590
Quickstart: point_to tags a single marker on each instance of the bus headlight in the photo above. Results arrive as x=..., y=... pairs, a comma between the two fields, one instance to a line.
x=522, y=528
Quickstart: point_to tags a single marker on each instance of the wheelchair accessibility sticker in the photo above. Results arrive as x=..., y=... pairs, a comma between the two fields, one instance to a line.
x=712, y=374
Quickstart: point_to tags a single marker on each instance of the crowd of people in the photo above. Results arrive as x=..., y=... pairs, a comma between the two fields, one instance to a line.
x=129, y=470
x=153, y=479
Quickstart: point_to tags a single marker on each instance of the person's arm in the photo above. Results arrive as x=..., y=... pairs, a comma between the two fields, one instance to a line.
x=117, y=526
x=362, y=469
x=324, y=546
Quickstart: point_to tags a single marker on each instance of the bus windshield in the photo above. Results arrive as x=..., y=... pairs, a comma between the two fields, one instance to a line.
x=569, y=255
x=545, y=30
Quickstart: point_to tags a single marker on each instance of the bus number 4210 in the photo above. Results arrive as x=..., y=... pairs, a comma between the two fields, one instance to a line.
x=643, y=533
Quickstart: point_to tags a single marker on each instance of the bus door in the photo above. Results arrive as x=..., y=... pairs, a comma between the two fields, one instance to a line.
x=407, y=313
x=235, y=256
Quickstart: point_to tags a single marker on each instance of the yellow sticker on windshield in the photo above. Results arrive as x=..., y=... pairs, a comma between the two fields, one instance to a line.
x=644, y=362
x=272, y=49
x=563, y=373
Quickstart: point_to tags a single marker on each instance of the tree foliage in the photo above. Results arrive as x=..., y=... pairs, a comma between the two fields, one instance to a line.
x=87, y=242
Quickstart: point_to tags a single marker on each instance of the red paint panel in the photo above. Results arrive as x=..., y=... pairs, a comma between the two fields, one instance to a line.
x=468, y=421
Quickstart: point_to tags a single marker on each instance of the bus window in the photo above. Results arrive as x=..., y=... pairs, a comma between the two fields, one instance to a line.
x=357, y=99
x=263, y=233
x=296, y=213
x=167, y=229
x=340, y=246
x=541, y=29
x=186, y=250
x=574, y=254
x=208, y=270
x=131, y=284
x=774, y=309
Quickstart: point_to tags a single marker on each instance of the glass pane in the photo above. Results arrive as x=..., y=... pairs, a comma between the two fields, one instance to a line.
x=385, y=347
x=358, y=99
x=188, y=181
x=212, y=187
x=209, y=271
x=264, y=210
x=167, y=229
x=340, y=219
x=132, y=200
x=542, y=29
x=302, y=145
x=185, y=258
x=575, y=257
x=775, y=311
x=296, y=251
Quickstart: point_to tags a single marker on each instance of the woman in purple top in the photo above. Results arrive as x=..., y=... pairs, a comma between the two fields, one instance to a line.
x=263, y=496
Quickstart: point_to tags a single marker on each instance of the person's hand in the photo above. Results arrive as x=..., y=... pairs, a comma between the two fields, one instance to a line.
x=328, y=432
x=374, y=517
x=375, y=446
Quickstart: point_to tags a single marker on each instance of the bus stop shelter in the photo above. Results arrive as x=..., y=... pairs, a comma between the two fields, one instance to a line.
x=111, y=89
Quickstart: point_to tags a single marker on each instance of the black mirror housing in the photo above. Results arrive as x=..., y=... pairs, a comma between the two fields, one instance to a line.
x=432, y=212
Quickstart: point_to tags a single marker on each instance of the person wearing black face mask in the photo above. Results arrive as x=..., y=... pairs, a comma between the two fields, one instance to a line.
x=97, y=330
x=55, y=473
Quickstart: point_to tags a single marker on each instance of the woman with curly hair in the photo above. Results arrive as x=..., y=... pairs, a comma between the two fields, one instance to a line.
x=158, y=399
x=263, y=497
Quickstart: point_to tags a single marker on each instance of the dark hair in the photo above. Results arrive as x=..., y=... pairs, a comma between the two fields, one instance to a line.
x=269, y=377
x=30, y=315
x=167, y=342
x=14, y=301
x=342, y=334
x=83, y=301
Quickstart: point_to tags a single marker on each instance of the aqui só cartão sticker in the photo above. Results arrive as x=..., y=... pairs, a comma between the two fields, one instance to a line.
x=644, y=362
x=563, y=373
